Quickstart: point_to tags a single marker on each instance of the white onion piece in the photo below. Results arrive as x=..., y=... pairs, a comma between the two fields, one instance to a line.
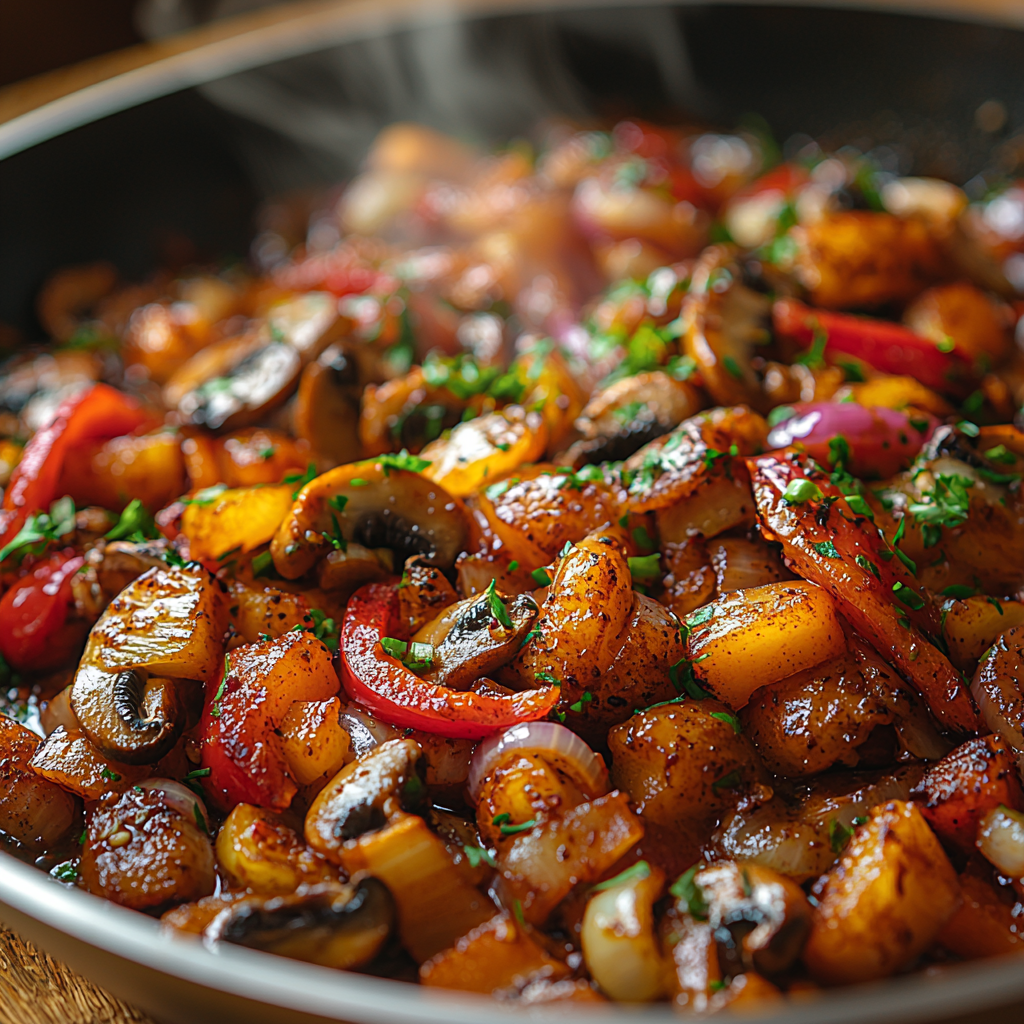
x=179, y=797
x=1001, y=705
x=365, y=731
x=1001, y=840
x=568, y=749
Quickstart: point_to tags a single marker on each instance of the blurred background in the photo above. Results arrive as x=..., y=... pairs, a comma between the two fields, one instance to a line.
x=183, y=178
x=39, y=35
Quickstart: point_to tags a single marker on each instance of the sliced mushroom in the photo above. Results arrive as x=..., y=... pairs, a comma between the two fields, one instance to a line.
x=373, y=504
x=343, y=927
x=351, y=567
x=629, y=413
x=109, y=568
x=327, y=408
x=363, y=796
x=760, y=918
x=129, y=717
x=723, y=320
x=256, y=385
x=469, y=642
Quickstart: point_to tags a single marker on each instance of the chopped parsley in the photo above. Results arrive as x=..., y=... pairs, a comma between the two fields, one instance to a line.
x=585, y=699
x=646, y=567
x=911, y=598
x=947, y=505
x=635, y=873
x=301, y=479
x=686, y=889
x=403, y=460
x=506, y=829
x=135, y=524
x=477, y=855
x=828, y=549
x=839, y=835
x=728, y=781
x=497, y=606
x=42, y=528
x=866, y=563
x=730, y=719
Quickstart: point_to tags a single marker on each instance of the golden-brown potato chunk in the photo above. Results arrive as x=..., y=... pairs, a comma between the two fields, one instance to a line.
x=752, y=638
x=610, y=648
x=884, y=903
x=814, y=720
x=859, y=259
x=683, y=761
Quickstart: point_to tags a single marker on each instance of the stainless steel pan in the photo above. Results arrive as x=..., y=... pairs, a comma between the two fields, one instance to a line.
x=93, y=162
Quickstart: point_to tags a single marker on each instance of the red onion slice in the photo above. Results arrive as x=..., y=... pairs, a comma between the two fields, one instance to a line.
x=566, y=748
x=179, y=797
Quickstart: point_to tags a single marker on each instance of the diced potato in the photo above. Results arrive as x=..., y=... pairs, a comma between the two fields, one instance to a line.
x=313, y=740
x=971, y=626
x=958, y=791
x=111, y=473
x=169, y=621
x=816, y=719
x=984, y=925
x=540, y=867
x=485, y=449
x=752, y=638
x=32, y=810
x=240, y=519
x=884, y=903
x=258, y=610
x=858, y=258
x=499, y=954
x=68, y=758
x=718, y=503
x=436, y=905
x=260, y=852
x=258, y=455
x=683, y=762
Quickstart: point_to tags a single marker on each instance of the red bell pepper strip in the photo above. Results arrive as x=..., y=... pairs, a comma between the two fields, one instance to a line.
x=846, y=554
x=888, y=347
x=399, y=696
x=96, y=413
x=33, y=613
x=245, y=704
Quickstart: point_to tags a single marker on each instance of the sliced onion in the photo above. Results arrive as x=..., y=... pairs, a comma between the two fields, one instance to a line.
x=999, y=701
x=566, y=748
x=365, y=731
x=180, y=798
x=1001, y=840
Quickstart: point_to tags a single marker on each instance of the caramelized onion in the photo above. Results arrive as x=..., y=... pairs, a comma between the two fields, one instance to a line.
x=564, y=745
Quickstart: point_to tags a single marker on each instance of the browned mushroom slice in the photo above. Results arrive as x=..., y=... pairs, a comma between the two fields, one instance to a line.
x=376, y=505
x=309, y=323
x=365, y=795
x=765, y=915
x=237, y=381
x=722, y=322
x=352, y=567
x=327, y=408
x=343, y=927
x=129, y=717
x=629, y=413
x=469, y=643
x=255, y=386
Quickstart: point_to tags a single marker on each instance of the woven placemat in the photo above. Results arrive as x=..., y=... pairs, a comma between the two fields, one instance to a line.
x=36, y=989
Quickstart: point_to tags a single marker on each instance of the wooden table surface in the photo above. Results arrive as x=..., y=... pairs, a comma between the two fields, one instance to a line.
x=36, y=989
